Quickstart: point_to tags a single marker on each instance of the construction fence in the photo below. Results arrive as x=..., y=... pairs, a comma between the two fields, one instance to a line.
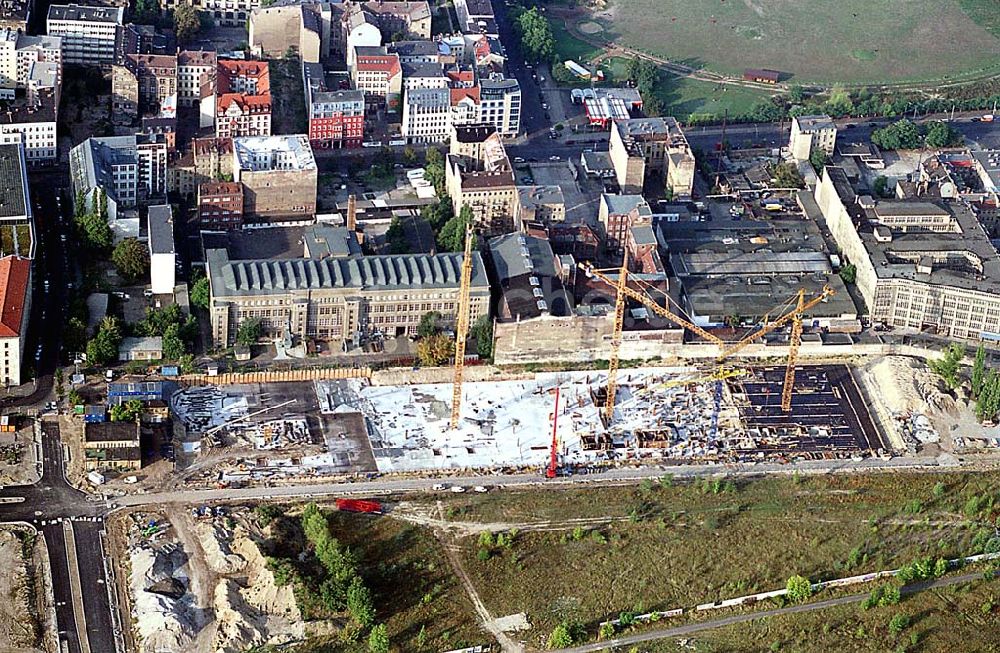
x=278, y=376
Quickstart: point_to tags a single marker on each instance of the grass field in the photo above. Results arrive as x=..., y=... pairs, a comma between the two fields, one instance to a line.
x=961, y=618
x=570, y=47
x=855, y=41
x=682, y=96
x=663, y=546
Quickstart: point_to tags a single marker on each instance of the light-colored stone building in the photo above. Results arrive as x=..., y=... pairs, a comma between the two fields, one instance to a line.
x=653, y=148
x=810, y=133
x=279, y=177
x=338, y=298
x=479, y=175
x=927, y=266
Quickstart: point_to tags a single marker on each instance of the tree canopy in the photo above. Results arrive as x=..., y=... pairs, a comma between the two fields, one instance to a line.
x=131, y=259
x=537, y=40
x=187, y=22
x=900, y=135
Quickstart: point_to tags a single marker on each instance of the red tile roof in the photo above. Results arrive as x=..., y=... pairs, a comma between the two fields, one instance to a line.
x=14, y=273
x=459, y=94
x=231, y=70
x=384, y=63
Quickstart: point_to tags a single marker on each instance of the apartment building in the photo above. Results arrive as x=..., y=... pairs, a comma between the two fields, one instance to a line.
x=130, y=170
x=19, y=52
x=197, y=71
x=927, y=266
x=33, y=124
x=426, y=115
x=15, y=14
x=810, y=133
x=380, y=76
x=423, y=75
x=619, y=213
x=500, y=103
x=279, y=177
x=478, y=174
x=336, y=118
x=417, y=51
x=111, y=445
x=89, y=34
x=338, y=299
x=162, y=254
x=224, y=13
x=540, y=204
x=220, y=205
x=654, y=149
x=15, y=312
x=243, y=107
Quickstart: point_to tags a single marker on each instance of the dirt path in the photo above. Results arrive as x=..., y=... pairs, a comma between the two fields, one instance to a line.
x=203, y=579
x=425, y=516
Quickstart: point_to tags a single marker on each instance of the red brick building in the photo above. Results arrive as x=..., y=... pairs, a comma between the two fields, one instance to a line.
x=244, y=99
x=336, y=118
x=220, y=205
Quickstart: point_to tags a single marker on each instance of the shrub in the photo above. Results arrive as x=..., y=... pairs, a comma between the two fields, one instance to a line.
x=799, y=588
x=560, y=637
x=899, y=623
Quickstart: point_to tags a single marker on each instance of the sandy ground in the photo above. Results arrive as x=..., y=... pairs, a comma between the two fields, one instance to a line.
x=18, y=625
x=18, y=465
x=230, y=601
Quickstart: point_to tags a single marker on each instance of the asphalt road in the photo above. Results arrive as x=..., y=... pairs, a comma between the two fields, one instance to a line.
x=52, y=498
x=690, y=629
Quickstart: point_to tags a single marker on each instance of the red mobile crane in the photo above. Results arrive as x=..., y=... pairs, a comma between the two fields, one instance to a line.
x=553, y=467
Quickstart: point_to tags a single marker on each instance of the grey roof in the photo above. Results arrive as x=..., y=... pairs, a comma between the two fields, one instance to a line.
x=479, y=7
x=643, y=234
x=749, y=263
x=422, y=69
x=597, y=161
x=517, y=254
x=498, y=86
x=284, y=276
x=150, y=343
x=429, y=97
x=622, y=204
x=323, y=240
x=753, y=297
x=415, y=48
x=910, y=209
x=540, y=195
x=815, y=123
x=90, y=14
x=13, y=182
x=161, y=229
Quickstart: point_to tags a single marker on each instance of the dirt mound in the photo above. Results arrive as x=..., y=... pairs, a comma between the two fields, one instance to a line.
x=215, y=541
x=904, y=386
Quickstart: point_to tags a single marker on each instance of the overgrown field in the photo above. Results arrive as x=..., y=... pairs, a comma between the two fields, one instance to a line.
x=857, y=41
x=959, y=618
x=412, y=585
x=667, y=545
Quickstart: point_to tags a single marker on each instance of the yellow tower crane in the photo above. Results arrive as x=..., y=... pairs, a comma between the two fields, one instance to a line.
x=462, y=328
x=622, y=291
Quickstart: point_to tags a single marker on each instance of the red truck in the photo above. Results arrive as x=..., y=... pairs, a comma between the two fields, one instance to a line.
x=359, y=505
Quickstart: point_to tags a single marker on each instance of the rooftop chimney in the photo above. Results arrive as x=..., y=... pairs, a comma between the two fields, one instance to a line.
x=352, y=220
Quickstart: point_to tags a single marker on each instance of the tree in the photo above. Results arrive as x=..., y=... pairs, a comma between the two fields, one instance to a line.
x=537, y=40
x=560, y=637
x=899, y=623
x=249, y=332
x=360, y=604
x=435, y=350
x=880, y=185
x=818, y=158
x=947, y=366
x=187, y=23
x=378, y=639
x=849, y=273
x=429, y=324
x=796, y=94
x=94, y=231
x=940, y=134
x=988, y=401
x=482, y=331
x=409, y=155
x=127, y=412
x=131, y=259
x=146, y=12
x=74, y=398
x=173, y=344
x=979, y=370
x=434, y=170
x=840, y=103
x=900, y=135
x=103, y=347
x=395, y=237
x=201, y=293
x=80, y=204
x=785, y=175
x=452, y=235
x=799, y=588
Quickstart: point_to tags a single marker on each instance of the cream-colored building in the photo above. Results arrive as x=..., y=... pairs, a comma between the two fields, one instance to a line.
x=810, y=133
x=544, y=204
x=478, y=174
x=338, y=298
x=654, y=148
x=927, y=266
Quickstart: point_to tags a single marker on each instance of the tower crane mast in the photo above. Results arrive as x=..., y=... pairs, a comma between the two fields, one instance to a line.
x=462, y=328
